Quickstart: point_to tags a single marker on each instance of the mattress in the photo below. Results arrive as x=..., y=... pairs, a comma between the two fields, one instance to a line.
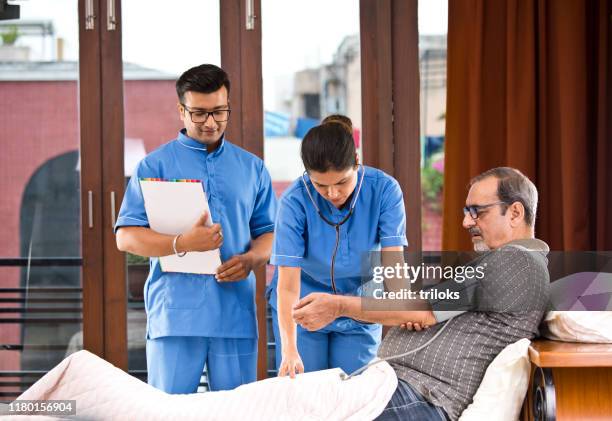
x=104, y=392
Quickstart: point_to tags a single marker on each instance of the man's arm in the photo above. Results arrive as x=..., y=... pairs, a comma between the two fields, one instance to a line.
x=353, y=307
x=261, y=247
x=319, y=309
x=239, y=266
x=261, y=223
x=146, y=242
x=390, y=257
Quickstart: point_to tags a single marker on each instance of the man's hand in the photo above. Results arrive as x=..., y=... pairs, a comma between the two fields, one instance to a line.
x=420, y=320
x=316, y=310
x=200, y=237
x=413, y=326
x=235, y=269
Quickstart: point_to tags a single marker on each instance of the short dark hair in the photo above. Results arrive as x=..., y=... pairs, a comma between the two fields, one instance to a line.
x=328, y=146
x=205, y=78
x=513, y=186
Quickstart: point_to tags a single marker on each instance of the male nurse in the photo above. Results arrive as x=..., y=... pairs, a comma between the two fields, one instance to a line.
x=196, y=320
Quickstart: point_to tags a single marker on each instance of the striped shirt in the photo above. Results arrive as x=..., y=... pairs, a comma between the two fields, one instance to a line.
x=509, y=303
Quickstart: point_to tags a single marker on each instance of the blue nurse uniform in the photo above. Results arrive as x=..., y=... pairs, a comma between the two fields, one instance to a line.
x=192, y=319
x=304, y=240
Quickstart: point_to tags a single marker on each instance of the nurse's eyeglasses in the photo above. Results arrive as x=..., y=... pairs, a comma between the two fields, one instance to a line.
x=476, y=210
x=201, y=116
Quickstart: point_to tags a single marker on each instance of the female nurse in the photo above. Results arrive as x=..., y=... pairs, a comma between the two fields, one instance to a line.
x=327, y=222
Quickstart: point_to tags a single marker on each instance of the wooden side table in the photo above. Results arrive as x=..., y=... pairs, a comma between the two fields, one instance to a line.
x=569, y=381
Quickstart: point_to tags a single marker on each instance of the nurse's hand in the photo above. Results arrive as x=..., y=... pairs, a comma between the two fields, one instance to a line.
x=235, y=269
x=316, y=310
x=291, y=364
x=201, y=237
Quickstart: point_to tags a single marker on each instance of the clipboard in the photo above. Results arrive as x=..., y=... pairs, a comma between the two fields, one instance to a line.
x=173, y=206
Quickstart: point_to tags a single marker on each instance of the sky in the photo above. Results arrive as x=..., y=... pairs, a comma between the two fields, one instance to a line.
x=295, y=34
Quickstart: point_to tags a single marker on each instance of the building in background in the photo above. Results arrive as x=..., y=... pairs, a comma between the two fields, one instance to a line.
x=432, y=61
x=335, y=88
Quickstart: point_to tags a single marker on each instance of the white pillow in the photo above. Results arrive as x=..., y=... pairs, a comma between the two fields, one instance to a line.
x=503, y=387
x=578, y=326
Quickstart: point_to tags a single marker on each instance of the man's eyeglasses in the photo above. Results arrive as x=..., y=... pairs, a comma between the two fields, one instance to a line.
x=201, y=116
x=475, y=210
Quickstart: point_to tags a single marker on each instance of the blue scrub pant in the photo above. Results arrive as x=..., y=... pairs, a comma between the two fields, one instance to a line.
x=175, y=363
x=345, y=343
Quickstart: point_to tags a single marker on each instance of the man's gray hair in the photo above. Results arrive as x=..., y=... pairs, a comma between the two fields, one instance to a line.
x=513, y=186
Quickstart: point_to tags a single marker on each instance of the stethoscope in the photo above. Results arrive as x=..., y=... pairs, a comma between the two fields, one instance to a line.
x=343, y=375
x=334, y=224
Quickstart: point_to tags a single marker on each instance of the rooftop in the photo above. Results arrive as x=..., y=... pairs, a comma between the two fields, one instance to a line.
x=23, y=71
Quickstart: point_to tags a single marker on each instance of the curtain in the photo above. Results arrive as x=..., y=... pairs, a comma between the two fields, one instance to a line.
x=528, y=87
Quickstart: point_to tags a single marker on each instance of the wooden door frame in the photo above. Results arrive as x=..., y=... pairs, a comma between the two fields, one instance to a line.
x=241, y=59
x=102, y=172
x=113, y=180
x=91, y=182
x=390, y=99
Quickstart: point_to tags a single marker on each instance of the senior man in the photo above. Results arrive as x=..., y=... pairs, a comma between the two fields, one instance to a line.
x=507, y=304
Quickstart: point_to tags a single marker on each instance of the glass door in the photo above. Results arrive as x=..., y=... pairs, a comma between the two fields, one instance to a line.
x=307, y=75
x=156, y=51
x=41, y=258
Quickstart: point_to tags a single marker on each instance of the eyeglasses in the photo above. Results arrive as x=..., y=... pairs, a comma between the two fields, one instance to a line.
x=475, y=210
x=201, y=116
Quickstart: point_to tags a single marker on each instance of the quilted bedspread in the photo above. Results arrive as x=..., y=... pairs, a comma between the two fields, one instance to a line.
x=104, y=392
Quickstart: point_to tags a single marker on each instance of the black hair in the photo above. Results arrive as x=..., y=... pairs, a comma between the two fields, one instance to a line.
x=205, y=78
x=328, y=147
x=340, y=119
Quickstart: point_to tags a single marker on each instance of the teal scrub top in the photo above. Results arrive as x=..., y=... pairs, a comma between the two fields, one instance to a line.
x=302, y=239
x=241, y=199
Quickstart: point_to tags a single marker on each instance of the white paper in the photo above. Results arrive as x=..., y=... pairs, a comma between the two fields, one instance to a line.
x=172, y=208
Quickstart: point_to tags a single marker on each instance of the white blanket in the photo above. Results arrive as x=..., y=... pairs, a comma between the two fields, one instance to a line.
x=104, y=392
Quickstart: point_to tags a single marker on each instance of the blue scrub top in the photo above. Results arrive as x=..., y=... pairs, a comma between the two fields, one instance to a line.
x=241, y=199
x=302, y=239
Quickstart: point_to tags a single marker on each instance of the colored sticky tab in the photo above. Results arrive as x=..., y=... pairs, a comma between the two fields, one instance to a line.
x=171, y=180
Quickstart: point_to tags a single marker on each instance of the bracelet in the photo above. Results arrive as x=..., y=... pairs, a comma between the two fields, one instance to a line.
x=174, y=247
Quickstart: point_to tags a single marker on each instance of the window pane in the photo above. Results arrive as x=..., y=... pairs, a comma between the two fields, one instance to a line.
x=433, y=16
x=311, y=69
x=40, y=246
